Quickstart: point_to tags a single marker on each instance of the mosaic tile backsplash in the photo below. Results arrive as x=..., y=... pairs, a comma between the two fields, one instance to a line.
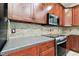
x=27, y=29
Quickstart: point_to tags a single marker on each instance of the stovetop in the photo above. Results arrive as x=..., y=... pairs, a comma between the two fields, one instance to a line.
x=58, y=38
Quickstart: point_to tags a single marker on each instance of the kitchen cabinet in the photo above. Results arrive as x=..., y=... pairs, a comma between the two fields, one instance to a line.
x=55, y=8
x=29, y=12
x=40, y=13
x=48, y=52
x=76, y=43
x=62, y=16
x=34, y=12
x=73, y=43
x=47, y=49
x=41, y=49
x=68, y=17
x=58, y=10
x=33, y=51
x=70, y=42
x=75, y=13
x=20, y=11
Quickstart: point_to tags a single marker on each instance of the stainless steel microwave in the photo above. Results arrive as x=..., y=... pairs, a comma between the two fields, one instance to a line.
x=53, y=19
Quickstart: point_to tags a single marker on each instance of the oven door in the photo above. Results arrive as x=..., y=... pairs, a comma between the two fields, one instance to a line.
x=61, y=49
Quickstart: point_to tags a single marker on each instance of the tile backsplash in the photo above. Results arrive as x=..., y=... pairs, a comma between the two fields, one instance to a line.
x=70, y=30
x=27, y=29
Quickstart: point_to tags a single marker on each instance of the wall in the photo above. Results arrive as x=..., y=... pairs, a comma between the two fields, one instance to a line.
x=28, y=30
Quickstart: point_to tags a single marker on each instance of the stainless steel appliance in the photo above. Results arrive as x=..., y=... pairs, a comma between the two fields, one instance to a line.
x=3, y=9
x=53, y=19
x=60, y=44
x=3, y=32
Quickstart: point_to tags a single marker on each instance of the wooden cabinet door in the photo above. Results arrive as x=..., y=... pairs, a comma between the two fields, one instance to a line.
x=21, y=11
x=61, y=15
x=78, y=44
x=39, y=13
x=53, y=8
x=49, y=52
x=33, y=51
x=75, y=43
x=75, y=16
x=70, y=42
x=47, y=48
x=28, y=12
x=68, y=17
x=58, y=10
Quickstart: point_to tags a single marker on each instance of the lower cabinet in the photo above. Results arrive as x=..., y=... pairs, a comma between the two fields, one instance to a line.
x=42, y=49
x=25, y=52
x=48, y=52
x=70, y=42
x=73, y=43
x=47, y=49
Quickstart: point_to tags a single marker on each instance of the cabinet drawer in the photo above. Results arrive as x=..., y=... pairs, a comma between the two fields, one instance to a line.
x=49, y=52
x=33, y=51
x=45, y=46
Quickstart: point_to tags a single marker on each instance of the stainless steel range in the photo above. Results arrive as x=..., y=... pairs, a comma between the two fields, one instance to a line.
x=60, y=44
x=60, y=39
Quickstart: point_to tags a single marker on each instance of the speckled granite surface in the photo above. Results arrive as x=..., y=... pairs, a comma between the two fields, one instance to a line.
x=24, y=42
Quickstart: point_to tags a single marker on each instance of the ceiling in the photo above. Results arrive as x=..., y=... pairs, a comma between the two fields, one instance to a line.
x=69, y=4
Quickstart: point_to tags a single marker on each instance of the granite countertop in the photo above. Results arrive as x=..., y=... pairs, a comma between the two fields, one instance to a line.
x=24, y=42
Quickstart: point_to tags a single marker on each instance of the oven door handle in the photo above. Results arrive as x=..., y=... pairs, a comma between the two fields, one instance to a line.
x=61, y=42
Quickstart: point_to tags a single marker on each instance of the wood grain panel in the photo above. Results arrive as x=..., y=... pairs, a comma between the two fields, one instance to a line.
x=49, y=52
x=75, y=16
x=73, y=43
x=33, y=51
x=46, y=45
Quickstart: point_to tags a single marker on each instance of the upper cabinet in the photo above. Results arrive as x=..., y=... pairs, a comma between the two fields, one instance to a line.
x=35, y=12
x=39, y=13
x=72, y=16
x=61, y=15
x=68, y=17
x=20, y=11
x=58, y=10
x=75, y=16
x=29, y=12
